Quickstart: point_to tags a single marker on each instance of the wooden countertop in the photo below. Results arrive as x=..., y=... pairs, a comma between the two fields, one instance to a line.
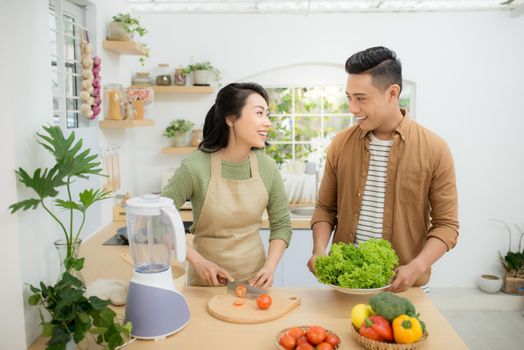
x=321, y=306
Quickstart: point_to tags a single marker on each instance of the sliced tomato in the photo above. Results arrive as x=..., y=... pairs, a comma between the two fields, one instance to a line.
x=240, y=291
x=239, y=302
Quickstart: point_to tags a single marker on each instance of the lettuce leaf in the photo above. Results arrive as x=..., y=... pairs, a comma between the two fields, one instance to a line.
x=368, y=266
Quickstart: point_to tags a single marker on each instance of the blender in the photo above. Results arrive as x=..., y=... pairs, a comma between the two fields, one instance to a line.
x=154, y=306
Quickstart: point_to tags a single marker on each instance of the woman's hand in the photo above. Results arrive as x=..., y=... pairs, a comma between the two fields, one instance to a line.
x=211, y=273
x=263, y=278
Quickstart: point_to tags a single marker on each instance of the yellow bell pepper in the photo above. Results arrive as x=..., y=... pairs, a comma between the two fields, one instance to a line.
x=406, y=330
x=359, y=313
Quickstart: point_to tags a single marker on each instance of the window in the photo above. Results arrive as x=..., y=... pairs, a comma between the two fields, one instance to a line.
x=305, y=120
x=66, y=24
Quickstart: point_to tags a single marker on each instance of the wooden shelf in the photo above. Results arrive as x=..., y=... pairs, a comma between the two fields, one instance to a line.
x=113, y=124
x=124, y=47
x=178, y=150
x=173, y=89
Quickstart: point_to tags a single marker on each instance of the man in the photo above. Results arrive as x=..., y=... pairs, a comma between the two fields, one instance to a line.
x=387, y=177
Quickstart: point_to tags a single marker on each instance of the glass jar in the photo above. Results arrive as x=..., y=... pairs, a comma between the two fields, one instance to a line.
x=180, y=77
x=115, y=106
x=66, y=251
x=163, y=77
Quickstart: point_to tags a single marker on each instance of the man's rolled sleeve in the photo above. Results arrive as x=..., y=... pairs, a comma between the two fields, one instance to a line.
x=444, y=200
x=326, y=208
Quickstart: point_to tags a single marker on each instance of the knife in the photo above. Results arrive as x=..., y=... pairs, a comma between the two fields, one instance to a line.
x=252, y=292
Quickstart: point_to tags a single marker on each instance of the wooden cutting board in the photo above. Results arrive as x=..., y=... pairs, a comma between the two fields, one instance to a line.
x=221, y=306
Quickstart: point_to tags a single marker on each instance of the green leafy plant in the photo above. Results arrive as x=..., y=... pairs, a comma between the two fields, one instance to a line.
x=143, y=58
x=72, y=315
x=513, y=261
x=130, y=24
x=203, y=66
x=178, y=126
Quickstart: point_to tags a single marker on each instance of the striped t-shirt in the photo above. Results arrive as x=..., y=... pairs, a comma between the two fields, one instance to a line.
x=372, y=207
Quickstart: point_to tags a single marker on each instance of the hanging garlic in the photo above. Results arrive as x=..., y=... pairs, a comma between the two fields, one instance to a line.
x=87, y=74
x=85, y=96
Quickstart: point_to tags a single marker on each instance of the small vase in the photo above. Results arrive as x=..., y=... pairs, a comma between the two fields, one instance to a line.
x=71, y=345
x=62, y=248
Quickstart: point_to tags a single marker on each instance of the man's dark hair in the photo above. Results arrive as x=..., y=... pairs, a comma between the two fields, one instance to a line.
x=379, y=62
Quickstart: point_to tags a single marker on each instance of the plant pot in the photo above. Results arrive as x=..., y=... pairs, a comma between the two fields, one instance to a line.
x=117, y=32
x=514, y=284
x=201, y=77
x=490, y=283
x=181, y=139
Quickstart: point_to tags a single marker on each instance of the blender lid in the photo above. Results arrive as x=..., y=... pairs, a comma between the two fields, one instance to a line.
x=148, y=201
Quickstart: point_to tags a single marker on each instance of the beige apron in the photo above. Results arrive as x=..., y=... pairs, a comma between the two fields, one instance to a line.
x=227, y=232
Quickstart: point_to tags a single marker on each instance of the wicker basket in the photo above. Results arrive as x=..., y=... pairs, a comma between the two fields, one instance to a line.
x=304, y=329
x=371, y=344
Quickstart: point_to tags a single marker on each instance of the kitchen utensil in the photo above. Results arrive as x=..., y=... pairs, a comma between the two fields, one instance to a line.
x=357, y=291
x=154, y=306
x=303, y=329
x=221, y=307
x=252, y=292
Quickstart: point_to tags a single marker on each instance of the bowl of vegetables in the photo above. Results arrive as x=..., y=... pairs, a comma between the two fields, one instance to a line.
x=366, y=269
x=388, y=322
x=307, y=338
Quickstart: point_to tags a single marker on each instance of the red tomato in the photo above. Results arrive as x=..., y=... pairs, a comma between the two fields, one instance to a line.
x=302, y=340
x=296, y=332
x=288, y=342
x=316, y=335
x=332, y=339
x=305, y=346
x=324, y=346
x=264, y=301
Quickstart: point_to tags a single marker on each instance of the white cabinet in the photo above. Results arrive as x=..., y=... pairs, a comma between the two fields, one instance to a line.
x=292, y=270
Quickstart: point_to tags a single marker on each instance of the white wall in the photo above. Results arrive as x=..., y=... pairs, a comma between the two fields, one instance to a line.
x=467, y=67
x=29, y=95
x=12, y=334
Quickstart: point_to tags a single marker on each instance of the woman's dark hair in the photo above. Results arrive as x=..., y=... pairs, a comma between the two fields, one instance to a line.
x=229, y=103
x=379, y=62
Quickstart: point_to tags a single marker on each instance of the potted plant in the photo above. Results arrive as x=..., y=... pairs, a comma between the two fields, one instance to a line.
x=513, y=262
x=178, y=129
x=71, y=316
x=202, y=73
x=124, y=27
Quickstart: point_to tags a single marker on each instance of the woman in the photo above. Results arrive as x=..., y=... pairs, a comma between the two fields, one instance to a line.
x=230, y=182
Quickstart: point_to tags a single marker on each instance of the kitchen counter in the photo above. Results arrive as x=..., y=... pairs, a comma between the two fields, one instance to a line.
x=321, y=306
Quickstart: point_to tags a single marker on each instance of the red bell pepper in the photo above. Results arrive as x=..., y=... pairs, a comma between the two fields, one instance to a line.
x=377, y=328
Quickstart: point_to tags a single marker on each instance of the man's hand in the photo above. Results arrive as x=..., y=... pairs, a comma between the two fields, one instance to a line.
x=311, y=262
x=406, y=275
x=211, y=273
